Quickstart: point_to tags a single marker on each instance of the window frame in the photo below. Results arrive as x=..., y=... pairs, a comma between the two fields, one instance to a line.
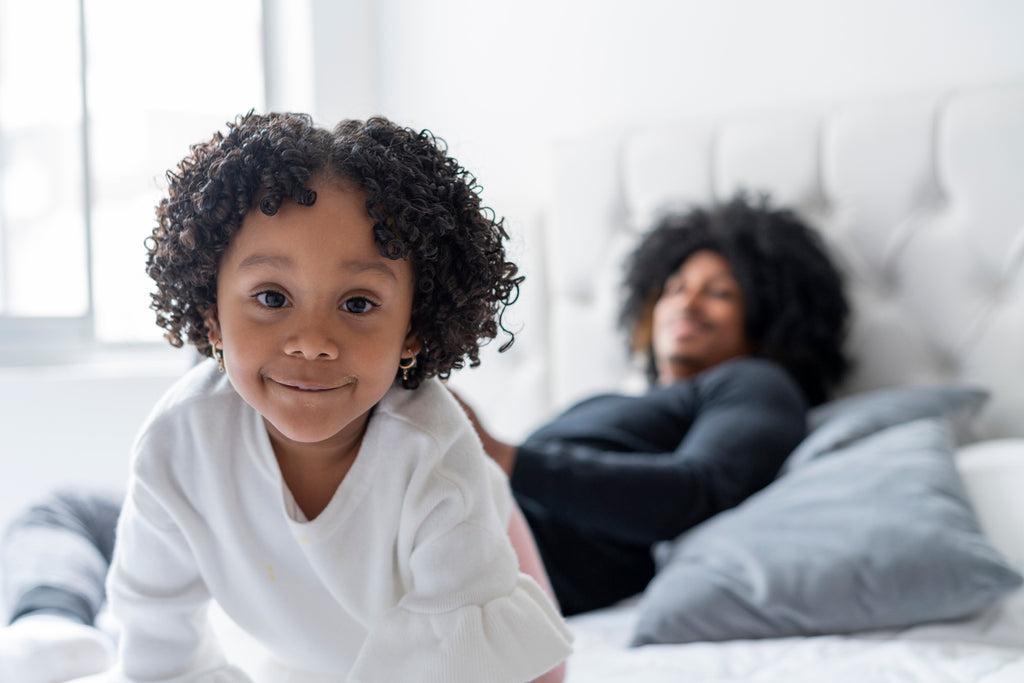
x=33, y=341
x=30, y=340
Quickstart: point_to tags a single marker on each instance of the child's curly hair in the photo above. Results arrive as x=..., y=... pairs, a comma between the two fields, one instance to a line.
x=796, y=306
x=424, y=205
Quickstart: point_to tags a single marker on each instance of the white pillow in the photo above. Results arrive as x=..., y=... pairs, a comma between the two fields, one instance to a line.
x=993, y=472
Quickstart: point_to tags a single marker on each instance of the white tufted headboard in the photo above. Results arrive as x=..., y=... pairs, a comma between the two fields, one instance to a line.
x=921, y=199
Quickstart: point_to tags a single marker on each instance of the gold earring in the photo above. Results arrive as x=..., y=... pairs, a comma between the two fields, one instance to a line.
x=405, y=365
x=219, y=355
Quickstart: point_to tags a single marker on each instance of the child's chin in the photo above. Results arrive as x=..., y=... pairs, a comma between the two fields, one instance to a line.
x=298, y=433
x=310, y=436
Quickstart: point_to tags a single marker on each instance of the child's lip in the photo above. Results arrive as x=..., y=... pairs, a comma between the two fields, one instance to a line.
x=301, y=385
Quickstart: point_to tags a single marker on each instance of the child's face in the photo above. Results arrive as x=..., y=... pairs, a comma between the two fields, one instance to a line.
x=312, y=318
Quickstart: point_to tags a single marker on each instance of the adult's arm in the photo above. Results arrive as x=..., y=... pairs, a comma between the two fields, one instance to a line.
x=746, y=416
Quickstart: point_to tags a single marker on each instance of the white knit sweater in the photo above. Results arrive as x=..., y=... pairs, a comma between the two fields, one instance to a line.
x=407, y=575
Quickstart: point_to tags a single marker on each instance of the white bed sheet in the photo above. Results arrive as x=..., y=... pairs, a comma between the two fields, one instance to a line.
x=987, y=648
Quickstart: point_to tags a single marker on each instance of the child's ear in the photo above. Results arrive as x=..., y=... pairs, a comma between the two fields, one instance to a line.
x=413, y=341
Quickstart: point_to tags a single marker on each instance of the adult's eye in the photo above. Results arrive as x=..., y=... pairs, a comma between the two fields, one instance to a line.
x=358, y=304
x=272, y=299
x=674, y=288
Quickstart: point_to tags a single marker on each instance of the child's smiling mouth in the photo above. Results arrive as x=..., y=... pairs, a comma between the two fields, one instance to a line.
x=310, y=387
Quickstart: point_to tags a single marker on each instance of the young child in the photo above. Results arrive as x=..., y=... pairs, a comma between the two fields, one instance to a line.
x=315, y=478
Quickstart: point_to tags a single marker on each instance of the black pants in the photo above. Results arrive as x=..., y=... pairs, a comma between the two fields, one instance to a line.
x=587, y=571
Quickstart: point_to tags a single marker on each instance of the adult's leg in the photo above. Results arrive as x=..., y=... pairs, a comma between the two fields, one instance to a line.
x=586, y=571
x=55, y=558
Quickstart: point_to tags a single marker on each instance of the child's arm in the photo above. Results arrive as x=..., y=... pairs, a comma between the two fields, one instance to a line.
x=160, y=601
x=468, y=613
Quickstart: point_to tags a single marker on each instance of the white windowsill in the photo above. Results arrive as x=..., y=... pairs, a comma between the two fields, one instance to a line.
x=106, y=361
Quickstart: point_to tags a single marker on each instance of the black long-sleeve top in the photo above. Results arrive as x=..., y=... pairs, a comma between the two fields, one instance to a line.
x=614, y=474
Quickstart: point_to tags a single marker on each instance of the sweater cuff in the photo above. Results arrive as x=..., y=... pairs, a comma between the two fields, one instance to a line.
x=508, y=639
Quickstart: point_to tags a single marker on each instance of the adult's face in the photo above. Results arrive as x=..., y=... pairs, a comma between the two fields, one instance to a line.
x=698, y=321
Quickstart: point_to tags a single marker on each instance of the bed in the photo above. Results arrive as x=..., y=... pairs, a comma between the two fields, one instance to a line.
x=891, y=546
x=920, y=198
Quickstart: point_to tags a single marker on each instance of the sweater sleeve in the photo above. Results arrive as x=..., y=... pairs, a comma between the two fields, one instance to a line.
x=468, y=613
x=744, y=419
x=160, y=601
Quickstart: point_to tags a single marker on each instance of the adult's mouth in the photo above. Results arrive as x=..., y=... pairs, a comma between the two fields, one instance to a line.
x=686, y=327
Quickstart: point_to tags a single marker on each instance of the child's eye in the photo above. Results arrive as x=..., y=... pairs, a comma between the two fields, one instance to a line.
x=271, y=298
x=358, y=304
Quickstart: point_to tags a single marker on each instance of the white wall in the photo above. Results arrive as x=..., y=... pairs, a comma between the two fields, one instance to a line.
x=503, y=81
x=75, y=423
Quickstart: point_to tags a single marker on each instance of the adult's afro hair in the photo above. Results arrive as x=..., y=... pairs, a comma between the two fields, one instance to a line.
x=796, y=307
x=424, y=205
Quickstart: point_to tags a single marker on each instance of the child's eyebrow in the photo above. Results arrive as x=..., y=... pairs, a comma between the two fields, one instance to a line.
x=363, y=266
x=265, y=260
x=285, y=262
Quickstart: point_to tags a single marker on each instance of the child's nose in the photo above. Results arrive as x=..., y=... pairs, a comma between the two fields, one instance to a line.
x=312, y=339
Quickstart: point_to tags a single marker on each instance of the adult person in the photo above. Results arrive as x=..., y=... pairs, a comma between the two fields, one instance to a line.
x=741, y=315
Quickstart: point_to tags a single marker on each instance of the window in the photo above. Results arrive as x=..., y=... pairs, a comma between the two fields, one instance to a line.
x=98, y=99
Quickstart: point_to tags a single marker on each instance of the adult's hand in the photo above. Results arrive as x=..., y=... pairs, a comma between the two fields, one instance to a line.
x=502, y=453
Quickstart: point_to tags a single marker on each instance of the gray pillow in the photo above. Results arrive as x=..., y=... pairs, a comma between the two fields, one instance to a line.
x=879, y=534
x=844, y=420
